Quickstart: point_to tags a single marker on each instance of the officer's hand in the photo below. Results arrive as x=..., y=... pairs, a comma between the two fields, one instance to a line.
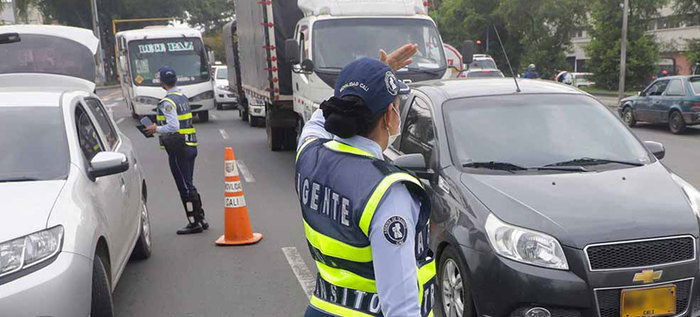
x=399, y=58
x=151, y=129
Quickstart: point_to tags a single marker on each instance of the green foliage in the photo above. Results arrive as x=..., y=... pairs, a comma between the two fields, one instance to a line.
x=210, y=14
x=604, y=49
x=687, y=6
x=215, y=40
x=693, y=51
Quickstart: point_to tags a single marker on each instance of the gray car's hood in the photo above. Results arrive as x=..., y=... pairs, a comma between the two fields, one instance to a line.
x=26, y=206
x=583, y=208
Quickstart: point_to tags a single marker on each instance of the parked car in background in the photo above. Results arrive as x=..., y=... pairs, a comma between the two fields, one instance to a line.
x=481, y=73
x=481, y=61
x=673, y=100
x=222, y=92
x=73, y=192
x=539, y=198
x=582, y=79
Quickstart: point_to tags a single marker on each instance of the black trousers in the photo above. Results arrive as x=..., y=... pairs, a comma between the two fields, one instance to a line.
x=181, y=158
x=312, y=312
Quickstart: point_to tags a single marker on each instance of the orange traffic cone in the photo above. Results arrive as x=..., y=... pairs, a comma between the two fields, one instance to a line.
x=237, y=229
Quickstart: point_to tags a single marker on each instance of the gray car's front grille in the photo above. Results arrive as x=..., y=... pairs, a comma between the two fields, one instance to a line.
x=609, y=299
x=640, y=253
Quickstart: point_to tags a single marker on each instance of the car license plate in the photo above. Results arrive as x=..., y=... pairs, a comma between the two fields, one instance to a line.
x=648, y=302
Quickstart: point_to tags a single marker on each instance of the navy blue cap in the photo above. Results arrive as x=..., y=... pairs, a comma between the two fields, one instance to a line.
x=167, y=74
x=371, y=80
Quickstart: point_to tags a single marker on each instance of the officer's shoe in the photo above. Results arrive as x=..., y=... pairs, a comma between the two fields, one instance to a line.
x=191, y=228
x=204, y=223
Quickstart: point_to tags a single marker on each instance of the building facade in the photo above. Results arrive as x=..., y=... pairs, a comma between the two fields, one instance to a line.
x=669, y=29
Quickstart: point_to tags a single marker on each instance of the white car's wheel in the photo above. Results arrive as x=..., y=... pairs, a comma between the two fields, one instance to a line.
x=142, y=249
x=102, y=305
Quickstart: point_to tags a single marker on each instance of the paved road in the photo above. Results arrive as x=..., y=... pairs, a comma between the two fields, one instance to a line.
x=189, y=276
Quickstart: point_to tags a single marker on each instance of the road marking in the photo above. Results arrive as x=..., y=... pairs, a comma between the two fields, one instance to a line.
x=224, y=134
x=112, y=95
x=120, y=120
x=113, y=104
x=304, y=276
x=245, y=171
x=213, y=116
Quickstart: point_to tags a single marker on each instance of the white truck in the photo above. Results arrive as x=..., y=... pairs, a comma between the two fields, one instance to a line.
x=141, y=53
x=302, y=49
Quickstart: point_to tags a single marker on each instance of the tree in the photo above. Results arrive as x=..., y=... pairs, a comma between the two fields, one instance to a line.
x=211, y=14
x=687, y=6
x=604, y=48
x=215, y=41
x=693, y=51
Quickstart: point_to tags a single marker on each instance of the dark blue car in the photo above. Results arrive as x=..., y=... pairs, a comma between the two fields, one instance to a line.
x=669, y=100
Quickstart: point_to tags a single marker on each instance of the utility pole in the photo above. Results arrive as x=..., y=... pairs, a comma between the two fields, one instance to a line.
x=623, y=50
x=100, y=71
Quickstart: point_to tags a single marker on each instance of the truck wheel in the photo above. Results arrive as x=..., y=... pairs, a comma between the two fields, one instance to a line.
x=252, y=120
x=243, y=112
x=275, y=137
x=290, y=139
x=203, y=116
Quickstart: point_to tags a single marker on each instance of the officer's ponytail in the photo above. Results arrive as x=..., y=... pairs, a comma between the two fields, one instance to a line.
x=348, y=116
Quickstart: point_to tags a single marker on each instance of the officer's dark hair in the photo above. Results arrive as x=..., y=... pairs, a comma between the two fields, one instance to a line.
x=348, y=116
x=170, y=81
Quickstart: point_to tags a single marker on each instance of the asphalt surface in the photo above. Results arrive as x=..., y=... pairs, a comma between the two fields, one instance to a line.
x=190, y=276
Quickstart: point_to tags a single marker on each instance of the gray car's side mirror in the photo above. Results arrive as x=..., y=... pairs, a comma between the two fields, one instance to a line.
x=107, y=163
x=415, y=163
x=656, y=148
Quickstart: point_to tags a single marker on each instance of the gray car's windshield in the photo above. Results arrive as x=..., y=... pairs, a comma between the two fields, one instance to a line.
x=49, y=55
x=365, y=37
x=39, y=145
x=539, y=130
x=185, y=54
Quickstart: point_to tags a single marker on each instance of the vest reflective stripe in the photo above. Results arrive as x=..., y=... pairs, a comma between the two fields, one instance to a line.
x=187, y=131
x=340, y=147
x=347, y=279
x=335, y=248
x=426, y=273
x=179, y=117
x=301, y=148
x=336, y=309
x=377, y=195
x=184, y=115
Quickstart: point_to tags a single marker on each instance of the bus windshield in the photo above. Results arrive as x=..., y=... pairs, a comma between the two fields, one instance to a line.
x=186, y=55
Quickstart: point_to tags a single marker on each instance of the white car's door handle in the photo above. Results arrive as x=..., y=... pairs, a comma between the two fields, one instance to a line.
x=123, y=183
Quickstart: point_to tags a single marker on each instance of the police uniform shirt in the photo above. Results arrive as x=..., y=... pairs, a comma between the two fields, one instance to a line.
x=394, y=260
x=169, y=110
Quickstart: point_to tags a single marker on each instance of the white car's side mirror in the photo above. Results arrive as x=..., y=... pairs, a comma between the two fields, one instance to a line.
x=107, y=163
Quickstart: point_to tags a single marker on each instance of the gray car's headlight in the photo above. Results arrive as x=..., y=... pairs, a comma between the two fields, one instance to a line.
x=24, y=252
x=690, y=191
x=525, y=245
x=147, y=100
x=203, y=96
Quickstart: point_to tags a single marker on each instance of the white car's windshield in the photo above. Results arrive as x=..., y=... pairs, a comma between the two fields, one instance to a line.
x=186, y=55
x=222, y=73
x=49, y=55
x=536, y=130
x=365, y=37
x=482, y=63
x=38, y=143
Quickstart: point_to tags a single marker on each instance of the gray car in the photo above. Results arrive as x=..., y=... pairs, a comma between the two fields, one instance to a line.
x=545, y=205
x=72, y=189
x=669, y=100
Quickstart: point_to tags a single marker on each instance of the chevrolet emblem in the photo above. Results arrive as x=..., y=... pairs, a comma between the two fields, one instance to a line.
x=647, y=276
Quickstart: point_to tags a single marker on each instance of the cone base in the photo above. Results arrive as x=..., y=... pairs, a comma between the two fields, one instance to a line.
x=255, y=239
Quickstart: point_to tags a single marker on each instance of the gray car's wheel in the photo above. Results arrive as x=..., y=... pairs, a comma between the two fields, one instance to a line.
x=454, y=288
x=142, y=249
x=102, y=305
x=628, y=116
x=676, y=123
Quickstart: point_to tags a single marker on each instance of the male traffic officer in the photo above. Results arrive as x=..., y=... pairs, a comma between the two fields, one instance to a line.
x=179, y=138
x=366, y=221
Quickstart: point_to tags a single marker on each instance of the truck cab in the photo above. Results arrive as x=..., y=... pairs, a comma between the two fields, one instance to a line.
x=332, y=34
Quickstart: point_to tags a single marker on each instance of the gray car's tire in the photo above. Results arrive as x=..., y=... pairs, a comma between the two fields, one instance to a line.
x=454, y=298
x=676, y=123
x=628, y=116
x=102, y=305
x=142, y=249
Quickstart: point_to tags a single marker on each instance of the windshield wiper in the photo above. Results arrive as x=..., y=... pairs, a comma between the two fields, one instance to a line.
x=584, y=161
x=423, y=70
x=18, y=179
x=501, y=166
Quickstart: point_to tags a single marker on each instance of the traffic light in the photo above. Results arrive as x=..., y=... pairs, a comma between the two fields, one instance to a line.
x=478, y=42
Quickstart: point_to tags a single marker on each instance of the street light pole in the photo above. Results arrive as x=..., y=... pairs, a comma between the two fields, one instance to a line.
x=100, y=71
x=623, y=51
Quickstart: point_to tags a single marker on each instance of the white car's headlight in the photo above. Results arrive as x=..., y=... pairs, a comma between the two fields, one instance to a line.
x=223, y=87
x=147, y=100
x=24, y=252
x=525, y=245
x=690, y=191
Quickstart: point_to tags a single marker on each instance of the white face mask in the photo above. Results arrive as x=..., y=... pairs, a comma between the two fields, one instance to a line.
x=393, y=137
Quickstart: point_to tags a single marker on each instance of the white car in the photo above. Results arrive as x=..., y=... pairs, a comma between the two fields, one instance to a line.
x=72, y=189
x=222, y=92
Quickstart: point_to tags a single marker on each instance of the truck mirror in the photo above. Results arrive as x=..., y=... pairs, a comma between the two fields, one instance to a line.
x=291, y=48
x=467, y=52
x=307, y=66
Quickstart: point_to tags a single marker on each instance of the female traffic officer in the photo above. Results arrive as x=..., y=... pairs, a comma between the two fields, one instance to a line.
x=366, y=221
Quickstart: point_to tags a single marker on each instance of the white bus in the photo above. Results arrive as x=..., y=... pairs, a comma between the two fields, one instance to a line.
x=142, y=52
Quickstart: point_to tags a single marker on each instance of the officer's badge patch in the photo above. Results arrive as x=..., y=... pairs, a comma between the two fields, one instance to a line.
x=168, y=107
x=395, y=230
